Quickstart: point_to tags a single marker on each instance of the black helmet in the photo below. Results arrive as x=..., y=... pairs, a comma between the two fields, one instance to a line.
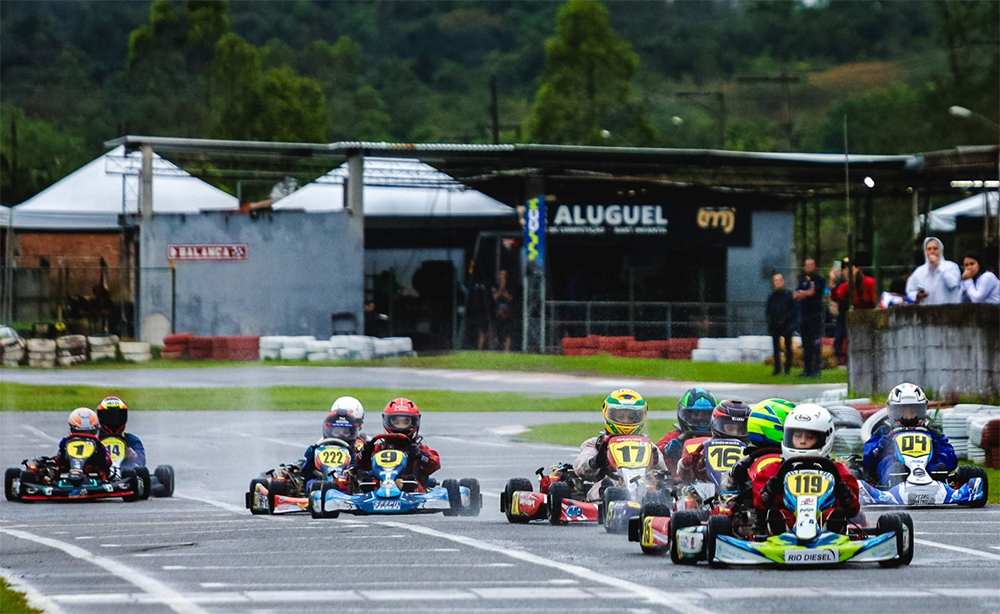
x=729, y=420
x=340, y=424
x=694, y=411
x=113, y=414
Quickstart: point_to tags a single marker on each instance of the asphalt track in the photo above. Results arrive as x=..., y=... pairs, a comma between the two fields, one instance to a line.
x=550, y=384
x=202, y=552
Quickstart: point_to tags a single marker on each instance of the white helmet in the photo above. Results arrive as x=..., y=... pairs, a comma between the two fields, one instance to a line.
x=351, y=405
x=907, y=405
x=84, y=420
x=812, y=418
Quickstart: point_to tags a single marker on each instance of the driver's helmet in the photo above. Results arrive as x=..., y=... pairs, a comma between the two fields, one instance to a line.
x=694, y=411
x=113, y=414
x=907, y=405
x=765, y=426
x=83, y=420
x=624, y=412
x=729, y=420
x=340, y=424
x=807, y=422
x=351, y=405
x=401, y=416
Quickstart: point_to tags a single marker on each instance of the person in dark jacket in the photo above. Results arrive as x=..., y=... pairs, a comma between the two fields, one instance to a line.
x=810, y=293
x=780, y=319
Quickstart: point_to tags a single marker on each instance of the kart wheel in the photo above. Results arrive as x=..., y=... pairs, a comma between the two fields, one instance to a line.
x=454, y=498
x=679, y=521
x=164, y=474
x=717, y=525
x=145, y=482
x=968, y=474
x=322, y=513
x=614, y=493
x=274, y=488
x=27, y=477
x=896, y=522
x=133, y=484
x=557, y=492
x=475, y=497
x=12, y=478
x=655, y=504
x=514, y=485
x=251, y=496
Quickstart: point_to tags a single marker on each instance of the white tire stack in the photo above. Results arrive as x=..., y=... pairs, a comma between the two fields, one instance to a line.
x=703, y=354
x=270, y=347
x=12, y=349
x=847, y=439
x=41, y=353
x=103, y=347
x=135, y=351
x=71, y=350
x=317, y=351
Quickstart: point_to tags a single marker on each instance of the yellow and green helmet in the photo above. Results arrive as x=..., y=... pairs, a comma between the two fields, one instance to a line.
x=766, y=425
x=624, y=412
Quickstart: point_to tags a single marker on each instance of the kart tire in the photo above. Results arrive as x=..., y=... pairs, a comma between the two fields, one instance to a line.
x=250, y=496
x=679, y=521
x=514, y=485
x=322, y=488
x=145, y=482
x=454, y=498
x=557, y=492
x=26, y=476
x=613, y=493
x=653, y=504
x=894, y=522
x=475, y=497
x=274, y=488
x=717, y=525
x=8, y=484
x=165, y=476
x=134, y=485
x=966, y=473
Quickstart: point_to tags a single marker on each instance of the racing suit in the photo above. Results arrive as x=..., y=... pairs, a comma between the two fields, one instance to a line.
x=99, y=461
x=879, y=455
x=591, y=463
x=740, y=478
x=135, y=455
x=421, y=460
x=768, y=493
x=672, y=447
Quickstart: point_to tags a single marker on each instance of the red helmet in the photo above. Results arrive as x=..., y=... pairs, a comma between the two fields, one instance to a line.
x=401, y=416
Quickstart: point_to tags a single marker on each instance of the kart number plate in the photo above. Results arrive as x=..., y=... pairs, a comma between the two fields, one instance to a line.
x=80, y=449
x=810, y=556
x=914, y=445
x=116, y=448
x=722, y=458
x=332, y=457
x=630, y=454
x=807, y=483
x=388, y=459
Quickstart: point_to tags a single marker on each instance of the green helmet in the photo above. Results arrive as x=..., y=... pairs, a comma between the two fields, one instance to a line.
x=767, y=419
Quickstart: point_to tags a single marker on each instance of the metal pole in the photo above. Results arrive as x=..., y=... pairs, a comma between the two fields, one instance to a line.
x=850, y=221
x=173, y=298
x=586, y=310
x=819, y=245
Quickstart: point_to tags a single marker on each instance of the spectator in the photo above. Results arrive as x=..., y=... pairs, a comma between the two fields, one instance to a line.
x=480, y=306
x=837, y=277
x=809, y=294
x=864, y=290
x=978, y=285
x=780, y=319
x=937, y=281
x=503, y=302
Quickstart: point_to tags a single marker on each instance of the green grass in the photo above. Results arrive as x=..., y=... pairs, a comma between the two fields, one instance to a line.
x=737, y=373
x=26, y=397
x=573, y=433
x=14, y=602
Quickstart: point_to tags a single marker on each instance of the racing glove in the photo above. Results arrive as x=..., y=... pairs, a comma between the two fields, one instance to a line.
x=773, y=492
x=600, y=460
x=843, y=493
x=417, y=453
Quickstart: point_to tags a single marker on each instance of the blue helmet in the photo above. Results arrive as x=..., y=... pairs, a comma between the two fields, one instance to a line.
x=694, y=411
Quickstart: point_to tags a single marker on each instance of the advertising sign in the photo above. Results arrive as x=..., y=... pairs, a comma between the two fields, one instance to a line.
x=534, y=233
x=230, y=252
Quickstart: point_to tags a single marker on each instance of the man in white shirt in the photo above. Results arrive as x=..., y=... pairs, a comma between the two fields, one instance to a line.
x=937, y=281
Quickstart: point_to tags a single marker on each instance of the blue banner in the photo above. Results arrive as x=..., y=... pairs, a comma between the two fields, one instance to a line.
x=534, y=234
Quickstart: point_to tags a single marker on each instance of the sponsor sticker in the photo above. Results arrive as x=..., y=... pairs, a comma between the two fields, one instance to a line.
x=393, y=505
x=810, y=556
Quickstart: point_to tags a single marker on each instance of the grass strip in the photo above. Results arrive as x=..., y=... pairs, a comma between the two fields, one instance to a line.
x=14, y=602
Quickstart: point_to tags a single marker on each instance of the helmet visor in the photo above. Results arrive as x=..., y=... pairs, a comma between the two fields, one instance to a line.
x=696, y=418
x=908, y=413
x=802, y=439
x=401, y=422
x=725, y=425
x=631, y=416
x=112, y=418
x=339, y=431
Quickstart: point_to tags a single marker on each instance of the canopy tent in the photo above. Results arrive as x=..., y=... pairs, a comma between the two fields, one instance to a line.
x=397, y=188
x=92, y=197
x=943, y=219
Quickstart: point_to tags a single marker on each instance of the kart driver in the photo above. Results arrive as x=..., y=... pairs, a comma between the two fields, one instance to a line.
x=729, y=421
x=694, y=419
x=355, y=407
x=624, y=414
x=765, y=431
x=83, y=423
x=402, y=416
x=339, y=424
x=808, y=431
x=113, y=415
x=907, y=409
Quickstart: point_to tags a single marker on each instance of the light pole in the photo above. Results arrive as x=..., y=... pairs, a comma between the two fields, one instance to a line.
x=964, y=113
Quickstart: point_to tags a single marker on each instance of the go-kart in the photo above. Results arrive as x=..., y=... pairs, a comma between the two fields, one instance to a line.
x=632, y=483
x=160, y=483
x=719, y=456
x=912, y=483
x=389, y=489
x=283, y=490
x=42, y=480
x=808, y=487
x=520, y=504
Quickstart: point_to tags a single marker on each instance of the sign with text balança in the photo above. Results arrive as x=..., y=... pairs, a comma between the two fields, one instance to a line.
x=671, y=225
x=213, y=251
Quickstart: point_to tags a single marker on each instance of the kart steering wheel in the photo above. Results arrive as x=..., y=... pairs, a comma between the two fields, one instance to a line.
x=333, y=441
x=391, y=440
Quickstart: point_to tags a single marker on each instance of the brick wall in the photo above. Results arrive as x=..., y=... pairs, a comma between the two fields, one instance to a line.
x=69, y=249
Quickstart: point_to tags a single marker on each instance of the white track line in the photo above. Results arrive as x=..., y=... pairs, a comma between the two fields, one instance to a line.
x=35, y=598
x=41, y=433
x=650, y=594
x=156, y=589
x=979, y=553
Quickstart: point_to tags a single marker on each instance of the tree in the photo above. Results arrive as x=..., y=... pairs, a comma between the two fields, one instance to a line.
x=586, y=92
x=43, y=154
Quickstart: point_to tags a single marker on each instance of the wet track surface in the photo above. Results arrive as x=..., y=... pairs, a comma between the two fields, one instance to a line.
x=202, y=552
